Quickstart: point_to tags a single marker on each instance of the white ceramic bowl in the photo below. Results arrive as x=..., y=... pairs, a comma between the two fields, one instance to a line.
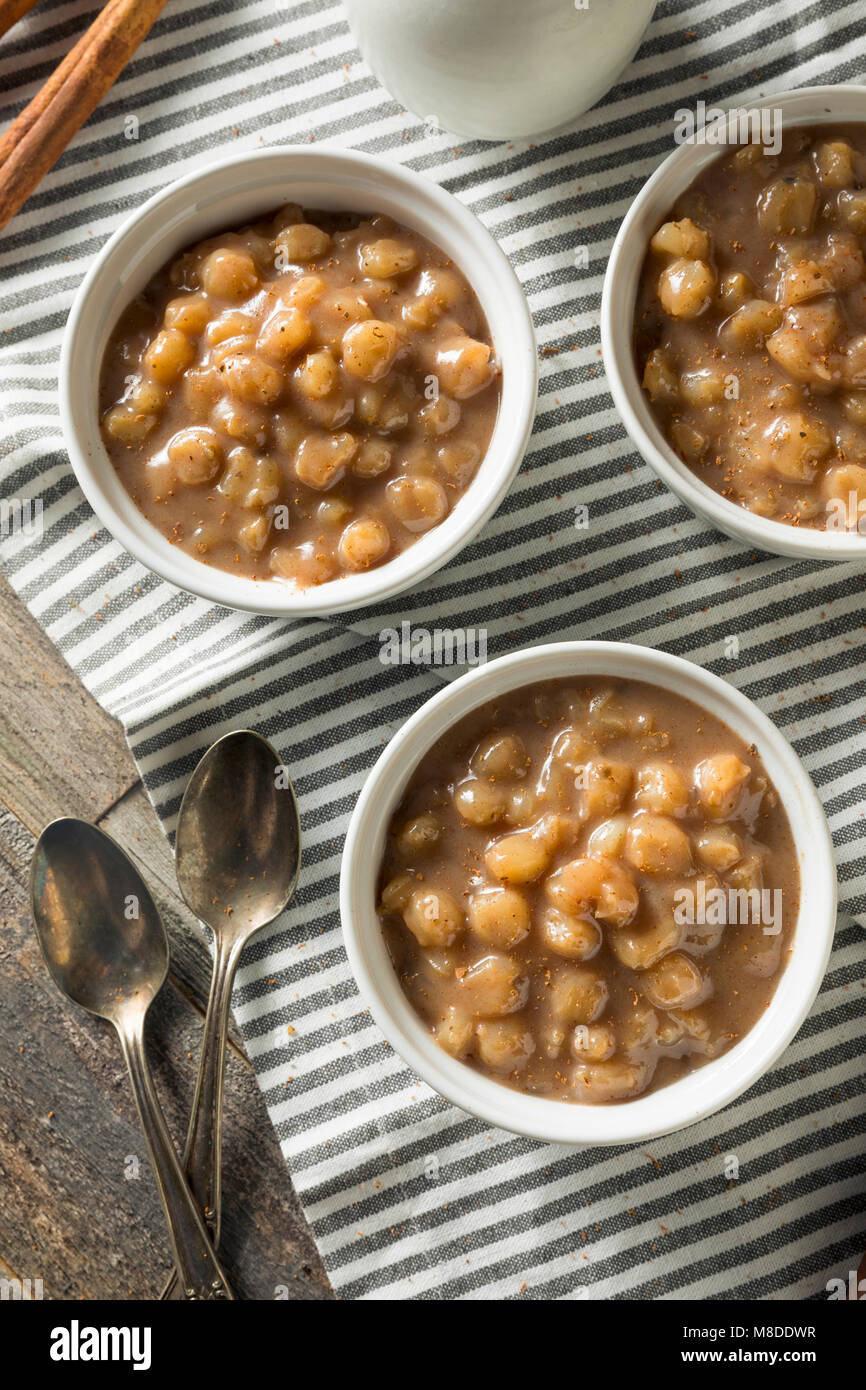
x=694, y=1096
x=240, y=189
x=809, y=106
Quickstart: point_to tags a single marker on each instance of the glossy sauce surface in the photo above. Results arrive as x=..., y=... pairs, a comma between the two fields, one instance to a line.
x=540, y=872
x=750, y=328
x=302, y=399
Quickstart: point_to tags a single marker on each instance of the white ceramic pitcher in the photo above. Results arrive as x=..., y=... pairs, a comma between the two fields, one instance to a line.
x=498, y=69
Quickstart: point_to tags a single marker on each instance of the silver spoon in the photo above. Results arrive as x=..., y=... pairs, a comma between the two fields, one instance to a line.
x=237, y=855
x=106, y=948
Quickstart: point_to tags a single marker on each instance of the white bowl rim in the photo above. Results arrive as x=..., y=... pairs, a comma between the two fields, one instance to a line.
x=800, y=106
x=428, y=206
x=698, y=1094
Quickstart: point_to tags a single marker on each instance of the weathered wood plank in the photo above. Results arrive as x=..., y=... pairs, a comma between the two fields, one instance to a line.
x=67, y=1205
x=60, y=753
x=70, y=1213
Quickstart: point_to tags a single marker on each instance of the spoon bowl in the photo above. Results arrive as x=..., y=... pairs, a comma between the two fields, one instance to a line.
x=106, y=949
x=100, y=932
x=238, y=848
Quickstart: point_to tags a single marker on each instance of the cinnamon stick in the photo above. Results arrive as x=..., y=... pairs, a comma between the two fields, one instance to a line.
x=37, y=138
x=48, y=91
x=11, y=11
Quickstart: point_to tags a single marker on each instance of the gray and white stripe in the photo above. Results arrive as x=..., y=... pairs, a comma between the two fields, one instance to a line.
x=408, y=1197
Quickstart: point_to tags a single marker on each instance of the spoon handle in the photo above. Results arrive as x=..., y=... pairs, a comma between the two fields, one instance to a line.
x=202, y=1157
x=200, y=1273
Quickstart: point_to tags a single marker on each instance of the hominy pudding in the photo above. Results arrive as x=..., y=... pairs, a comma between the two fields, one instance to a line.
x=589, y=890
x=301, y=399
x=750, y=328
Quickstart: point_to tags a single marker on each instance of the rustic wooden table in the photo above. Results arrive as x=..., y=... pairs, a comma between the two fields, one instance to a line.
x=78, y=1203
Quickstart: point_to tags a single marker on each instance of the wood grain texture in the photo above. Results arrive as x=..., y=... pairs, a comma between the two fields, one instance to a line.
x=60, y=753
x=80, y=1208
x=70, y=1214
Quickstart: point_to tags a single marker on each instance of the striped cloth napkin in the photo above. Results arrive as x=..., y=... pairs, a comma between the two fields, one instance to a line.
x=407, y=1196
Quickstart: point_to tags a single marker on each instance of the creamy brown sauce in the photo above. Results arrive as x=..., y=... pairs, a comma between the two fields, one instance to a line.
x=539, y=875
x=301, y=399
x=750, y=328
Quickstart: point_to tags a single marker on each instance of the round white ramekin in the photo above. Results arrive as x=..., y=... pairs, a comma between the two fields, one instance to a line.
x=239, y=189
x=809, y=106
x=694, y=1096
